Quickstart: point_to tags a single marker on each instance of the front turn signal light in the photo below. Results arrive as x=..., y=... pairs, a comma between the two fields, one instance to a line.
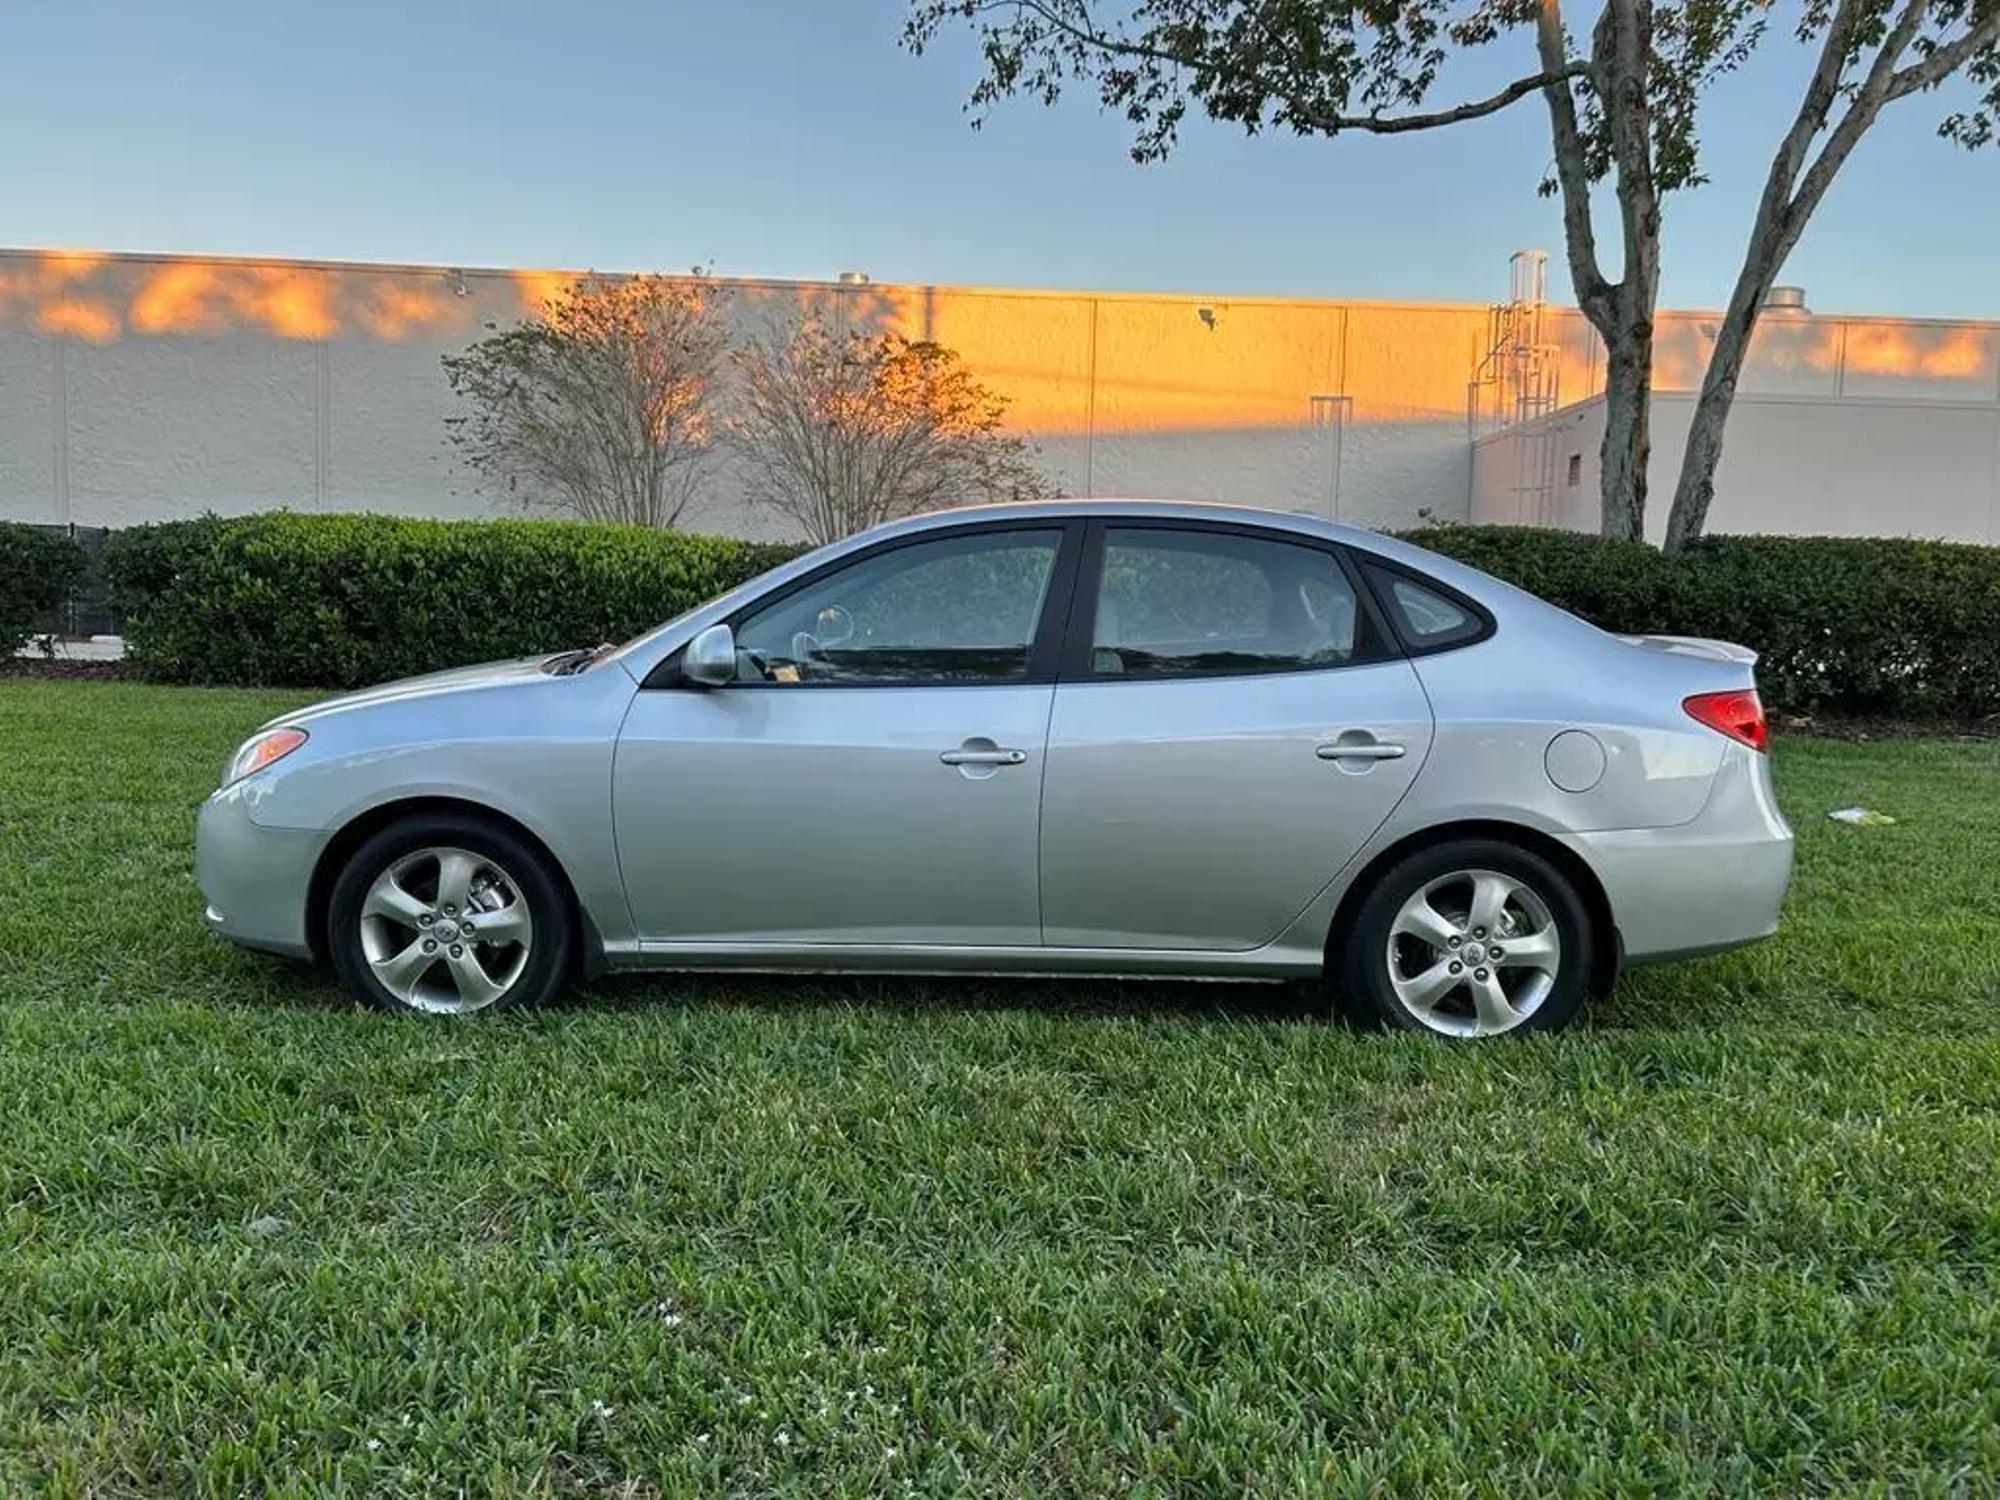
x=260, y=750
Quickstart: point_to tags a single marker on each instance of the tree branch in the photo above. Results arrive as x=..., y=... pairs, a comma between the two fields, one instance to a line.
x=1624, y=85
x=1821, y=91
x=1946, y=60
x=1375, y=123
x=1861, y=114
x=1572, y=171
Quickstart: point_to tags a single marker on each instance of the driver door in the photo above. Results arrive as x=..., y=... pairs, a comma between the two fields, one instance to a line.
x=873, y=775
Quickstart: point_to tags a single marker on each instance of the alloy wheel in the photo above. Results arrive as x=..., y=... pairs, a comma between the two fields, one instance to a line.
x=1473, y=953
x=446, y=930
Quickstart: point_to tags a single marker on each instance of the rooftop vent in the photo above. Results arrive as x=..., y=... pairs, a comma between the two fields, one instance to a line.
x=854, y=278
x=1785, y=299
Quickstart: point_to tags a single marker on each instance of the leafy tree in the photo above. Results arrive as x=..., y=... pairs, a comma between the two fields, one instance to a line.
x=1623, y=107
x=842, y=431
x=1871, y=54
x=602, y=406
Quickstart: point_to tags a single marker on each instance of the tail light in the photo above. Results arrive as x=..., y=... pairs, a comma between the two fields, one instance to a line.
x=1738, y=713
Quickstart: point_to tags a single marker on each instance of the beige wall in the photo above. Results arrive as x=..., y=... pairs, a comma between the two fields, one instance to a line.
x=135, y=388
x=1793, y=465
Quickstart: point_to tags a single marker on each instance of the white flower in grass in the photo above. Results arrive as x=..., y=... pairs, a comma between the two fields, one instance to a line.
x=603, y=1411
x=374, y=1445
x=784, y=1439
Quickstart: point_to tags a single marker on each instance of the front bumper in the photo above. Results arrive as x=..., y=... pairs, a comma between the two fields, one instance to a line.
x=254, y=878
x=1707, y=885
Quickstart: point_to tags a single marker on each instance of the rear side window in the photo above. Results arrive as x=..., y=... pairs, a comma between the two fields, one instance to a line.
x=1427, y=617
x=1174, y=603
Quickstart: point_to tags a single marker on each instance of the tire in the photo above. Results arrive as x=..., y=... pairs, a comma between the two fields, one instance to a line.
x=390, y=901
x=1425, y=904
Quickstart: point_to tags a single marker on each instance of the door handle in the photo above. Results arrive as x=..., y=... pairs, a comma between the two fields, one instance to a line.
x=983, y=757
x=1361, y=750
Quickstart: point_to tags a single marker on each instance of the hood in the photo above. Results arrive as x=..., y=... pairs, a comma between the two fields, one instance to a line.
x=430, y=685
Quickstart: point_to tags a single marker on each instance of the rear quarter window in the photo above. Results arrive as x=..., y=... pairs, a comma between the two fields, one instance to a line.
x=1427, y=615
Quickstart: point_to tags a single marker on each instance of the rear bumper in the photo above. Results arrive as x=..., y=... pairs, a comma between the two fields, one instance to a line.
x=1705, y=886
x=254, y=878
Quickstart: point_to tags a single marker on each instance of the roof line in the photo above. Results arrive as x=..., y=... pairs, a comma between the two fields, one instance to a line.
x=1222, y=300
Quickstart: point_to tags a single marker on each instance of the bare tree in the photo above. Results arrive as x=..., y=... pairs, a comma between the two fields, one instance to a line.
x=840, y=432
x=1623, y=108
x=602, y=406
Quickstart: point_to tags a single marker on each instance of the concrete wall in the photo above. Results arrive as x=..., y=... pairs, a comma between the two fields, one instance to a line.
x=1792, y=466
x=136, y=388
x=1842, y=426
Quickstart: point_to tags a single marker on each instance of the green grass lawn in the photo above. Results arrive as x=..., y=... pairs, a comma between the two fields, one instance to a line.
x=1739, y=1232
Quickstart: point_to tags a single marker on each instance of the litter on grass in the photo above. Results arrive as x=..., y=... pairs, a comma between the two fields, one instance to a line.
x=1865, y=817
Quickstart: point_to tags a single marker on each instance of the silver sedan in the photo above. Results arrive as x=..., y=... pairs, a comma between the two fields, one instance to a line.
x=1122, y=738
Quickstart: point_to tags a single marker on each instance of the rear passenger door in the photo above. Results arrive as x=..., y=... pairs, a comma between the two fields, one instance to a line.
x=1230, y=727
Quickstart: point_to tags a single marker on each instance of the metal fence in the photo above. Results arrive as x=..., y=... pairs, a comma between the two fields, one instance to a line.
x=87, y=610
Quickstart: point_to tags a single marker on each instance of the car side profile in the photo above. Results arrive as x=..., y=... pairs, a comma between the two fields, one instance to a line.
x=1074, y=737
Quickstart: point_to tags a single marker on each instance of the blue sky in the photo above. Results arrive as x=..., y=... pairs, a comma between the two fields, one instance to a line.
x=794, y=138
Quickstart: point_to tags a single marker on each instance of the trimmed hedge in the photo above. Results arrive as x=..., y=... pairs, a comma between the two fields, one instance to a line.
x=347, y=600
x=38, y=568
x=1845, y=625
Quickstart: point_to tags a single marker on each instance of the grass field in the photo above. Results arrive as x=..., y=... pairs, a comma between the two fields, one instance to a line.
x=1740, y=1232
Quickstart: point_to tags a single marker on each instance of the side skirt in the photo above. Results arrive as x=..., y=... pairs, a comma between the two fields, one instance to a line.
x=1268, y=963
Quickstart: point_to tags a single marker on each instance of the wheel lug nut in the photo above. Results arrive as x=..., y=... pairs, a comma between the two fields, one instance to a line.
x=1456, y=967
x=449, y=909
x=1497, y=952
x=456, y=951
x=1479, y=974
x=426, y=919
x=1476, y=932
x=430, y=945
x=1455, y=940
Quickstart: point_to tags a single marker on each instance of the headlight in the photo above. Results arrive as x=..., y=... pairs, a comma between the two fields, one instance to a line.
x=260, y=750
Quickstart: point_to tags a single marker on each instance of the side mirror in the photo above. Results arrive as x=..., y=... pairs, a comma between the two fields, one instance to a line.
x=710, y=658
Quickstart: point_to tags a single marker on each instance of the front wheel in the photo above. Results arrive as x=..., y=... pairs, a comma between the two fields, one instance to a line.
x=447, y=914
x=1469, y=938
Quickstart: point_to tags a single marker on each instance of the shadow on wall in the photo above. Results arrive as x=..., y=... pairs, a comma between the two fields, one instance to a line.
x=240, y=384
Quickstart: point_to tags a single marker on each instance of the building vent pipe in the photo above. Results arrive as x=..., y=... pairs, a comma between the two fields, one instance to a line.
x=1785, y=299
x=1528, y=277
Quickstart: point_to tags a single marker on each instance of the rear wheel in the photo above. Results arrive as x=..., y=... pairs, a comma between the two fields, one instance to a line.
x=1469, y=938
x=446, y=915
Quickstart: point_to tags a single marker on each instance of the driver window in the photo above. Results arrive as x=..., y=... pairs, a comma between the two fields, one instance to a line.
x=962, y=609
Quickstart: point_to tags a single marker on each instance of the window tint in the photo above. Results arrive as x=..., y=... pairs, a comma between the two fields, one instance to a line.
x=959, y=609
x=1191, y=603
x=1426, y=617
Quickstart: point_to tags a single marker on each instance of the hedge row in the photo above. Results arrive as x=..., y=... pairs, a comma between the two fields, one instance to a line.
x=1895, y=628
x=347, y=600
x=38, y=567
x=1845, y=625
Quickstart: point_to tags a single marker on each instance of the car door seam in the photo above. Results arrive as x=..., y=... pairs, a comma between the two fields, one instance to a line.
x=617, y=839
x=1041, y=810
